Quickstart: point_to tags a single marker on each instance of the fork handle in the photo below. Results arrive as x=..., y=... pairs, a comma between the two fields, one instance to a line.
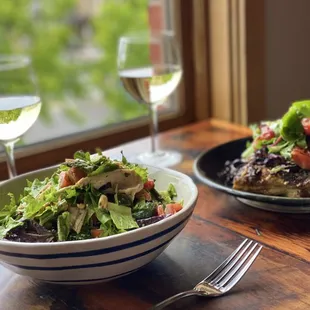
x=174, y=298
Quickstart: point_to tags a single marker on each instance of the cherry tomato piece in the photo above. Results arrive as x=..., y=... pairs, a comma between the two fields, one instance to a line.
x=95, y=233
x=149, y=184
x=176, y=206
x=76, y=174
x=64, y=179
x=170, y=209
x=306, y=124
x=301, y=157
x=266, y=133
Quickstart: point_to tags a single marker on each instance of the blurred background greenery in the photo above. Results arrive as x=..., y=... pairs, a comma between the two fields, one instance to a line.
x=73, y=46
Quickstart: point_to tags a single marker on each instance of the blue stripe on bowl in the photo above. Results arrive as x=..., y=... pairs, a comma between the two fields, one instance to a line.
x=93, y=280
x=85, y=266
x=96, y=252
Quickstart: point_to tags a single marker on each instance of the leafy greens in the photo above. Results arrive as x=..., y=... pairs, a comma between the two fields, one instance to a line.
x=73, y=205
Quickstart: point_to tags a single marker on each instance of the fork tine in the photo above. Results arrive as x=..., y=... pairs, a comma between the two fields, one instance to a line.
x=240, y=269
x=232, y=260
x=214, y=274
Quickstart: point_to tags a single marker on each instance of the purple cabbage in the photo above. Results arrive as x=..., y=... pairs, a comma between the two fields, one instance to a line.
x=151, y=220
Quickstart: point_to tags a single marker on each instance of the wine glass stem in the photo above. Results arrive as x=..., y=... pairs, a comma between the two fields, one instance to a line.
x=9, y=150
x=153, y=126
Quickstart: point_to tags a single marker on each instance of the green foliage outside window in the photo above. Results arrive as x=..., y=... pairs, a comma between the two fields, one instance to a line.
x=48, y=35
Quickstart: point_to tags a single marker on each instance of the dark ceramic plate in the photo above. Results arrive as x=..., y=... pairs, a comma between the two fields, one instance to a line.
x=208, y=164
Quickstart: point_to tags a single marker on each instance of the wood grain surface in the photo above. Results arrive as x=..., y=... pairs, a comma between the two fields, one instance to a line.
x=279, y=278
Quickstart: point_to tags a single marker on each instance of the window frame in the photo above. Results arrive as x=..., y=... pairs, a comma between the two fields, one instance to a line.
x=187, y=19
x=237, y=60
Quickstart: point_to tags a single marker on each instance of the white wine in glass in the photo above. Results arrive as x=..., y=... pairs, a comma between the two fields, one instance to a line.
x=20, y=103
x=150, y=69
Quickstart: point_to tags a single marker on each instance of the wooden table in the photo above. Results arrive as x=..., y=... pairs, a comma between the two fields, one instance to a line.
x=279, y=279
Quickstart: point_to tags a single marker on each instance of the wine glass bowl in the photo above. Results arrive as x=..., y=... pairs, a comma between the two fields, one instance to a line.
x=20, y=103
x=150, y=69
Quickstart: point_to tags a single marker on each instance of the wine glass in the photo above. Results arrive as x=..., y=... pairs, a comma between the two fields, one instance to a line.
x=20, y=103
x=149, y=67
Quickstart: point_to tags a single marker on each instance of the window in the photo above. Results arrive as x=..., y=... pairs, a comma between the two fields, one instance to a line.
x=73, y=45
x=225, y=52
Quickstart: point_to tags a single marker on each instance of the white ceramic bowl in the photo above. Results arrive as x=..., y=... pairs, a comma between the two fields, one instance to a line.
x=97, y=260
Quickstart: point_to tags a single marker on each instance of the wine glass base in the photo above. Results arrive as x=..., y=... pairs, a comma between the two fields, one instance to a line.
x=160, y=158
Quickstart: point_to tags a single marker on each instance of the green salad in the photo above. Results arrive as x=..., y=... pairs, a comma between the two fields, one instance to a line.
x=87, y=197
x=287, y=137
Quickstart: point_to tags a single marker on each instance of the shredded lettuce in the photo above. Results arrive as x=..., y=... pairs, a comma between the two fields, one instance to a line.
x=275, y=126
x=63, y=226
x=109, y=229
x=278, y=147
x=169, y=194
x=59, y=204
x=107, y=226
x=47, y=214
x=123, y=199
x=90, y=199
x=166, y=197
x=255, y=130
x=261, y=143
x=85, y=156
x=102, y=215
x=10, y=209
x=77, y=218
x=302, y=143
x=142, y=172
x=122, y=217
x=32, y=206
x=36, y=187
x=144, y=209
x=8, y=225
x=287, y=151
x=172, y=191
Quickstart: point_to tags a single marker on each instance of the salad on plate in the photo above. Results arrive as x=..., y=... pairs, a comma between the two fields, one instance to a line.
x=88, y=196
x=277, y=160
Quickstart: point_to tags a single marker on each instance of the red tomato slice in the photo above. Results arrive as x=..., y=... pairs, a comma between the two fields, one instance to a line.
x=75, y=174
x=64, y=179
x=306, y=124
x=176, y=206
x=95, y=233
x=301, y=157
x=266, y=133
x=170, y=209
x=149, y=184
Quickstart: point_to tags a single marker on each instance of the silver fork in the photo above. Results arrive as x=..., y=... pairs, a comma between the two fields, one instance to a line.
x=224, y=277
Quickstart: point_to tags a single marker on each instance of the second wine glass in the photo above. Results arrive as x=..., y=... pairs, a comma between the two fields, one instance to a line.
x=20, y=103
x=149, y=67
